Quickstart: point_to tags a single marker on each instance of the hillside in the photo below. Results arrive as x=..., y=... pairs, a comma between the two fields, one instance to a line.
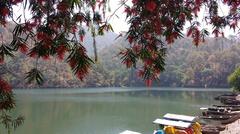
x=187, y=66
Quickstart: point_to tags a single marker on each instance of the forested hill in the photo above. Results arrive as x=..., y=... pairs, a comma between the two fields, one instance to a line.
x=187, y=66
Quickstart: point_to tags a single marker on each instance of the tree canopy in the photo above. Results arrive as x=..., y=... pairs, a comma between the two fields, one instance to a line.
x=55, y=29
x=234, y=79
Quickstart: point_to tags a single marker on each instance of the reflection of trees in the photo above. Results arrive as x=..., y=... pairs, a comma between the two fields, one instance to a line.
x=176, y=95
x=135, y=109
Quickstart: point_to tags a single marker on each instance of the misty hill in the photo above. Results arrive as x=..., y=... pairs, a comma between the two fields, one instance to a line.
x=101, y=41
x=187, y=66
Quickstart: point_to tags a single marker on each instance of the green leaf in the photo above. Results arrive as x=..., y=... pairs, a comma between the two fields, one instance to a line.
x=17, y=122
x=35, y=75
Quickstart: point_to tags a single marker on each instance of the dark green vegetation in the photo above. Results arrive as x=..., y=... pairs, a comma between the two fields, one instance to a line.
x=208, y=65
x=7, y=104
x=234, y=79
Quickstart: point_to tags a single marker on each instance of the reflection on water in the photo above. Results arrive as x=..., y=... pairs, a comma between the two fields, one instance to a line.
x=68, y=112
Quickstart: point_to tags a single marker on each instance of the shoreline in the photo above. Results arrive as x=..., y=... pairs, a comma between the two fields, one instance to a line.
x=233, y=128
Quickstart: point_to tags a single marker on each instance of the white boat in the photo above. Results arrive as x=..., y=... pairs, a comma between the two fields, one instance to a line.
x=165, y=122
x=178, y=117
x=129, y=132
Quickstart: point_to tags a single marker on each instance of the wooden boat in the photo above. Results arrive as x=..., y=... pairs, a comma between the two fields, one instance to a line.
x=226, y=95
x=231, y=120
x=228, y=108
x=216, y=117
x=231, y=106
x=230, y=102
x=129, y=132
x=218, y=109
x=209, y=112
x=224, y=120
x=228, y=98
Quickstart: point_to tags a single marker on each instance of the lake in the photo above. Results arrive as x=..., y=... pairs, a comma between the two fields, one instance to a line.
x=105, y=110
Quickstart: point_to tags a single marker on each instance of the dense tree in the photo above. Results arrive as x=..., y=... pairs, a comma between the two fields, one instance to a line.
x=56, y=28
x=234, y=79
x=183, y=67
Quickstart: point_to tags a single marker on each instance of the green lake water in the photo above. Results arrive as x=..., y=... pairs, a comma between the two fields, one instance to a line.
x=105, y=110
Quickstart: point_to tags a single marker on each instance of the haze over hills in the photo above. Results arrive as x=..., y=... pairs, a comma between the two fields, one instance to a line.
x=101, y=41
x=187, y=66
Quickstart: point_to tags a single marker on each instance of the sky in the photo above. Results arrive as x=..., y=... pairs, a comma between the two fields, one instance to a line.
x=120, y=24
x=118, y=21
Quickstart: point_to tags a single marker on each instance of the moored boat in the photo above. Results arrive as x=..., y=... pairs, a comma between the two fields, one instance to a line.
x=216, y=117
x=209, y=112
x=229, y=95
x=231, y=120
x=229, y=106
x=230, y=102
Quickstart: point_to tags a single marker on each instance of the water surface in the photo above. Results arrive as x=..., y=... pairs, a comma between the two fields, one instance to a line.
x=105, y=110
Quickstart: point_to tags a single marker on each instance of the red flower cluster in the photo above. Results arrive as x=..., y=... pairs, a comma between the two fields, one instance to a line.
x=81, y=38
x=43, y=36
x=4, y=86
x=14, y=2
x=195, y=34
x=23, y=48
x=61, y=50
x=4, y=12
x=82, y=73
x=41, y=1
x=151, y=5
x=134, y=1
x=1, y=59
x=62, y=6
x=32, y=54
x=29, y=26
